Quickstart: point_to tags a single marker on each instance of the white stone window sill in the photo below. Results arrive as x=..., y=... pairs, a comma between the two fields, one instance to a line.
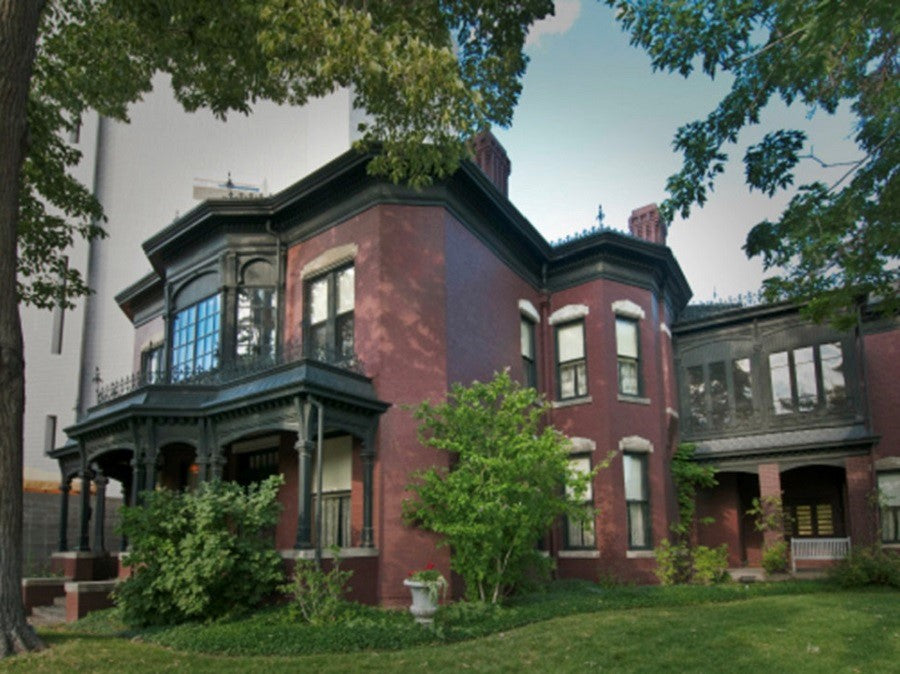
x=890, y=546
x=569, y=402
x=634, y=399
x=639, y=554
x=579, y=554
x=343, y=553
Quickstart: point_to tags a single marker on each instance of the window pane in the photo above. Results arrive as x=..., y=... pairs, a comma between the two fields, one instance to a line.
x=634, y=477
x=318, y=300
x=781, y=383
x=628, y=377
x=317, y=342
x=889, y=488
x=743, y=388
x=637, y=525
x=567, y=381
x=697, y=395
x=345, y=335
x=803, y=524
x=581, y=466
x=255, y=330
x=833, y=375
x=570, y=341
x=580, y=532
x=720, y=414
x=805, y=368
x=824, y=520
x=626, y=338
x=527, y=338
x=345, y=290
x=581, y=379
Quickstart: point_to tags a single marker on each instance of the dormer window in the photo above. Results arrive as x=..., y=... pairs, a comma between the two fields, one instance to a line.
x=330, y=300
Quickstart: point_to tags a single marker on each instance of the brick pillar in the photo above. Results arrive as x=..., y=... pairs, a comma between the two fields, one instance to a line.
x=860, y=513
x=770, y=489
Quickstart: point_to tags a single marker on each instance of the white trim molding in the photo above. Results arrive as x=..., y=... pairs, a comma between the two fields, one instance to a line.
x=888, y=463
x=635, y=443
x=333, y=257
x=569, y=402
x=628, y=308
x=578, y=554
x=581, y=445
x=665, y=328
x=570, y=312
x=639, y=554
x=526, y=308
x=672, y=413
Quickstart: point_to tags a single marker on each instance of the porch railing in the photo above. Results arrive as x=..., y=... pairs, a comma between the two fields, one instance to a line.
x=335, y=518
x=817, y=549
x=224, y=373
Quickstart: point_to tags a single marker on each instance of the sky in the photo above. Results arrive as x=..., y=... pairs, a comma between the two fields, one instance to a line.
x=594, y=126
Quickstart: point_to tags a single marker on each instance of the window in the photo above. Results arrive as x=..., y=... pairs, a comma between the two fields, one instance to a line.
x=330, y=300
x=637, y=500
x=152, y=365
x=720, y=394
x=195, y=339
x=807, y=378
x=571, y=371
x=889, y=496
x=529, y=366
x=811, y=518
x=580, y=531
x=628, y=356
x=255, y=325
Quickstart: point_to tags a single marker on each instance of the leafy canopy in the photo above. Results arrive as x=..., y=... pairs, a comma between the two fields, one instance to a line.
x=429, y=73
x=835, y=243
x=510, y=480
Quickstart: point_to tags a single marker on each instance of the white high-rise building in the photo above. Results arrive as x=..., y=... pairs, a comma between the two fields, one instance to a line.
x=144, y=173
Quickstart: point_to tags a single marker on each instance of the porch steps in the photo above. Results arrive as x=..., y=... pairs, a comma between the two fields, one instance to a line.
x=50, y=615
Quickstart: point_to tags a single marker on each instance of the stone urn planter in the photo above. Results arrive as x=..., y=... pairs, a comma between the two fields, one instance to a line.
x=424, y=599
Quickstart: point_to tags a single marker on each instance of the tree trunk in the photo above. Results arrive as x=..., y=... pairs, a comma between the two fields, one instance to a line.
x=18, y=37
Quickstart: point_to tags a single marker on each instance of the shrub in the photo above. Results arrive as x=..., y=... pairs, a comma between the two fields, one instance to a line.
x=201, y=554
x=677, y=563
x=867, y=566
x=775, y=557
x=710, y=564
x=318, y=595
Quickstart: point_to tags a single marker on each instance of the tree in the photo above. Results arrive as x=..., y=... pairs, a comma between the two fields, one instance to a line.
x=429, y=74
x=509, y=481
x=834, y=245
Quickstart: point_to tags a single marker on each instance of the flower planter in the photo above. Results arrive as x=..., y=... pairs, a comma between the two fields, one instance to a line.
x=424, y=600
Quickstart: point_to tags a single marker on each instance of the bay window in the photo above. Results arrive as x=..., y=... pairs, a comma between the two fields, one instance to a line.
x=195, y=338
x=637, y=500
x=807, y=378
x=255, y=325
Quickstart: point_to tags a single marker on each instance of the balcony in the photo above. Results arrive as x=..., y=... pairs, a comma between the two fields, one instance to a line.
x=233, y=371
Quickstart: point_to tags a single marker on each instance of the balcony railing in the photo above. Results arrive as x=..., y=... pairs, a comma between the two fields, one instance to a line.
x=240, y=367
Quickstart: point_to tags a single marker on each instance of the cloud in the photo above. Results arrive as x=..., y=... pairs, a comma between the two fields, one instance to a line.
x=567, y=12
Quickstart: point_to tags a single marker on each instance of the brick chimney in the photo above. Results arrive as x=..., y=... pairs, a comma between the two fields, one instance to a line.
x=491, y=158
x=646, y=223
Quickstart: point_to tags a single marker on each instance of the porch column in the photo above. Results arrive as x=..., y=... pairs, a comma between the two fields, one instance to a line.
x=84, y=538
x=770, y=491
x=861, y=519
x=368, y=536
x=150, y=471
x=137, y=480
x=64, y=515
x=100, y=482
x=304, y=449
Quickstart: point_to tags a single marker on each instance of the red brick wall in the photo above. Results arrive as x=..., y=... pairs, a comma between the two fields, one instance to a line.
x=882, y=354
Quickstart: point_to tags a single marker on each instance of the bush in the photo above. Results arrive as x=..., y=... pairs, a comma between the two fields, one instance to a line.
x=775, y=557
x=710, y=564
x=318, y=595
x=867, y=566
x=677, y=563
x=201, y=554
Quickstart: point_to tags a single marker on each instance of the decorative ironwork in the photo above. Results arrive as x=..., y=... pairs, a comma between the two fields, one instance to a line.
x=243, y=366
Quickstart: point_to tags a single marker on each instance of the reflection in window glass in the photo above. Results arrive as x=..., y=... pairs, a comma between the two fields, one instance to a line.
x=571, y=370
x=255, y=334
x=697, y=394
x=318, y=301
x=718, y=394
x=527, y=344
x=805, y=368
x=833, y=375
x=781, y=383
x=329, y=322
x=580, y=532
x=627, y=349
x=889, y=498
x=637, y=501
x=743, y=388
x=345, y=290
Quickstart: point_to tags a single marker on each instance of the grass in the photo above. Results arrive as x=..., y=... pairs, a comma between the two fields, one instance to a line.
x=625, y=629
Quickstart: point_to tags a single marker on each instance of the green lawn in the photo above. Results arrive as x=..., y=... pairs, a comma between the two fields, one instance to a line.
x=627, y=630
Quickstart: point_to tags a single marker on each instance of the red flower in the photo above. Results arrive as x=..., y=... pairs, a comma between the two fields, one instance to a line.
x=429, y=566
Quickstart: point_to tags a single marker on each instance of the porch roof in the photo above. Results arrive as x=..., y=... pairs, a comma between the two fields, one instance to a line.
x=834, y=438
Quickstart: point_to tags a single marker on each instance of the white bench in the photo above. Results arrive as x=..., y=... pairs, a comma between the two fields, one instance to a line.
x=818, y=548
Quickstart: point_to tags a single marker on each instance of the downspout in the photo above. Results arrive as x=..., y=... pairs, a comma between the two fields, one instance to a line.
x=320, y=434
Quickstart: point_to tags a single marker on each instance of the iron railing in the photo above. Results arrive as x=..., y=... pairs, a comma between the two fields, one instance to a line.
x=238, y=368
